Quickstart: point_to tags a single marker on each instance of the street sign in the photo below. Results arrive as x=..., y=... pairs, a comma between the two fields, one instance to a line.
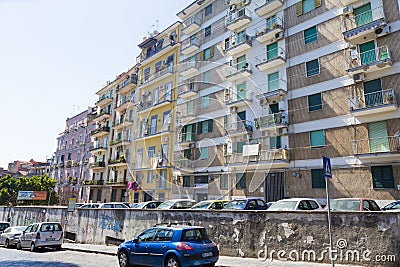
x=71, y=204
x=327, y=167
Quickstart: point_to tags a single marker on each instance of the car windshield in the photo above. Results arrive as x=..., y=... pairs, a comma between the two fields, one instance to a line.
x=345, y=204
x=202, y=205
x=141, y=205
x=283, y=205
x=166, y=205
x=3, y=226
x=236, y=204
x=50, y=227
x=194, y=234
x=18, y=228
x=392, y=206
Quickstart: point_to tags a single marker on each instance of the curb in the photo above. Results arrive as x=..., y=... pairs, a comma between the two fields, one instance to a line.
x=91, y=251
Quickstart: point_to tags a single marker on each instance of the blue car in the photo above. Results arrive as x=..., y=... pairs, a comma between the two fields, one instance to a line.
x=169, y=246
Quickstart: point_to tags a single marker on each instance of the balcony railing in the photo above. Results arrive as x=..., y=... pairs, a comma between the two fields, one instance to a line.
x=238, y=43
x=190, y=42
x=241, y=68
x=266, y=6
x=98, y=147
x=116, y=161
x=373, y=100
x=121, y=103
x=102, y=113
x=122, y=121
x=357, y=61
x=103, y=99
x=97, y=164
x=119, y=141
x=99, y=130
x=167, y=69
x=190, y=89
x=263, y=155
x=377, y=145
x=239, y=127
x=272, y=120
x=186, y=137
x=269, y=30
x=238, y=19
x=94, y=182
x=271, y=58
x=124, y=86
x=192, y=24
x=272, y=87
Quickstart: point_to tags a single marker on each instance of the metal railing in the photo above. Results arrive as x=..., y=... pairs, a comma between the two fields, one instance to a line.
x=237, y=40
x=237, y=15
x=184, y=66
x=119, y=122
x=263, y=155
x=376, y=145
x=101, y=129
x=235, y=96
x=272, y=120
x=352, y=22
x=239, y=126
x=269, y=26
x=243, y=66
x=104, y=97
x=97, y=164
x=189, y=42
x=375, y=99
x=371, y=57
x=98, y=147
x=119, y=141
x=273, y=85
x=271, y=55
x=195, y=19
x=104, y=112
x=117, y=161
x=186, y=137
x=121, y=103
x=165, y=69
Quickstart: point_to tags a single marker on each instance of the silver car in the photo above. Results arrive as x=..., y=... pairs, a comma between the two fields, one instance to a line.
x=10, y=236
x=39, y=235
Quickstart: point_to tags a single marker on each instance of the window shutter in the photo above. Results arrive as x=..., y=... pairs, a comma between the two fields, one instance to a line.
x=317, y=3
x=299, y=8
x=202, y=55
x=210, y=126
x=199, y=128
x=211, y=51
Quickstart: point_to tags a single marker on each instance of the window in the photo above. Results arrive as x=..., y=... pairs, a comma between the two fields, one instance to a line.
x=241, y=91
x=205, y=127
x=240, y=181
x=208, y=10
x=317, y=138
x=207, y=31
x=318, y=178
x=275, y=142
x=150, y=154
x=223, y=181
x=113, y=195
x=315, y=102
x=273, y=81
x=153, y=124
x=147, y=236
x=207, y=54
x=382, y=176
x=306, y=6
x=205, y=101
x=312, y=67
x=146, y=74
x=186, y=181
x=139, y=158
x=207, y=76
x=164, y=235
x=272, y=51
x=204, y=153
x=239, y=147
x=310, y=35
x=378, y=137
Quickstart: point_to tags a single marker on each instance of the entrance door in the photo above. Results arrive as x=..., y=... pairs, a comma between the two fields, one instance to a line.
x=367, y=52
x=274, y=186
x=373, y=93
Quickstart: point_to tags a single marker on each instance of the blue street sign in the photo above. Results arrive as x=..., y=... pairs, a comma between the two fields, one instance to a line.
x=327, y=167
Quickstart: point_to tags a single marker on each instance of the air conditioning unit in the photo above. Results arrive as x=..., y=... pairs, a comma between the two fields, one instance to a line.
x=348, y=10
x=382, y=31
x=279, y=35
x=232, y=8
x=359, y=77
x=191, y=145
x=283, y=131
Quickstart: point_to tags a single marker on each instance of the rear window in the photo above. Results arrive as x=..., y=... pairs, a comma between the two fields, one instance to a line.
x=194, y=234
x=3, y=226
x=342, y=204
x=50, y=227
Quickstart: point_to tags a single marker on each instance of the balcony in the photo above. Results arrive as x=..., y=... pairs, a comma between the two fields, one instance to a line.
x=190, y=45
x=121, y=142
x=103, y=115
x=186, y=140
x=238, y=44
x=118, y=182
x=365, y=26
x=98, y=148
x=272, y=121
x=94, y=182
x=123, y=105
x=273, y=90
x=264, y=7
x=238, y=99
x=166, y=71
x=374, y=103
x=192, y=24
x=103, y=101
x=121, y=161
x=368, y=61
x=127, y=85
x=185, y=165
x=253, y=158
x=270, y=32
x=238, y=19
x=239, y=128
x=240, y=70
x=61, y=165
x=271, y=59
x=145, y=106
x=123, y=123
x=97, y=165
x=100, y=131
x=189, y=69
x=153, y=49
x=377, y=150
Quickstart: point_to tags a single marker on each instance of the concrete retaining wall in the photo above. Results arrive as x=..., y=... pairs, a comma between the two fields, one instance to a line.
x=359, y=238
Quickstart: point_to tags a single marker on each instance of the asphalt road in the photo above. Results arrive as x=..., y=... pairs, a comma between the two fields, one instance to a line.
x=52, y=258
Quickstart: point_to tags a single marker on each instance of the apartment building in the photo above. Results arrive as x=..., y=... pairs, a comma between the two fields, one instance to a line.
x=70, y=166
x=114, y=117
x=154, y=128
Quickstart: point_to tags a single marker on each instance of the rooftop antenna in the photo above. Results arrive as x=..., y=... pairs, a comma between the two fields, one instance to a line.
x=75, y=109
x=153, y=29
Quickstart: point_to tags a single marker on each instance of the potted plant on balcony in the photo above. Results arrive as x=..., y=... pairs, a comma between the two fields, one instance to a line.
x=389, y=98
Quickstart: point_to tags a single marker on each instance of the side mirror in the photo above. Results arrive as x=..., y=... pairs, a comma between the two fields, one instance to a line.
x=135, y=240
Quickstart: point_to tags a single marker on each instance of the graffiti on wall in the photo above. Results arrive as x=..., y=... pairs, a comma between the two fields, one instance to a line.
x=110, y=223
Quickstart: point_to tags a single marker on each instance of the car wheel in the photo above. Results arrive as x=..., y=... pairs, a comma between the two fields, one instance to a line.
x=33, y=247
x=19, y=247
x=7, y=243
x=172, y=261
x=123, y=259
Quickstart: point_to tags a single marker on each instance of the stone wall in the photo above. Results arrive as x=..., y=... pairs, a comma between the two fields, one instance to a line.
x=290, y=235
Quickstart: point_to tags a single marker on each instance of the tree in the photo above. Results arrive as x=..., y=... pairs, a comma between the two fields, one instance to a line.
x=9, y=187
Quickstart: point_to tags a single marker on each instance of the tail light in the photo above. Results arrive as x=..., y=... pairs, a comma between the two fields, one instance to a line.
x=38, y=235
x=184, y=246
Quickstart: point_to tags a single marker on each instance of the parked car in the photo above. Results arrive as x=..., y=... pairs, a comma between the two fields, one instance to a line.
x=10, y=236
x=295, y=204
x=78, y=205
x=269, y=204
x=133, y=205
x=169, y=246
x=251, y=203
x=177, y=204
x=39, y=235
x=148, y=205
x=393, y=206
x=113, y=205
x=4, y=226
x=90, y=206
x=210, y=205
x=354, y=204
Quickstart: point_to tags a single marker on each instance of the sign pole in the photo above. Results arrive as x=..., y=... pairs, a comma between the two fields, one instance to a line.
x=328, y=175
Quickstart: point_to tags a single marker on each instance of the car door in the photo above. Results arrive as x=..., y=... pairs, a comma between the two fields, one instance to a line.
x=261, y=205
x=24, y=239
x=251, y=205
x=312, y=205
x=159, y=246
x=140, y=250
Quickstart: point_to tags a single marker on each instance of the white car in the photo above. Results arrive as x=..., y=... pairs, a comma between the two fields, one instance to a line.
x=39, y=235
x=10, y=236
x=113, y=205
x=177, y=204
x=295, y=204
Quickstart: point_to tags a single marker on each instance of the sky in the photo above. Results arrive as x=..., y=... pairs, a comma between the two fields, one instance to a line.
x=56, y=54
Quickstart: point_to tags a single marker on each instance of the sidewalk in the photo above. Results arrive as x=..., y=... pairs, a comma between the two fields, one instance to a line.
x=223, y=261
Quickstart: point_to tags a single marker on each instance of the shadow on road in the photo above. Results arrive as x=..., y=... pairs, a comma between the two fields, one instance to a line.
x=25, y=263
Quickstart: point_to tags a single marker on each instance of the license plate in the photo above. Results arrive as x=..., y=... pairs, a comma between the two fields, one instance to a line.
x=206, y=254
x=50, y=239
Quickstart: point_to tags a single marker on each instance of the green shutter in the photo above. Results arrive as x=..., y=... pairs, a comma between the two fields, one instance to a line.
x=363, y=15
x=210, y=126
x=211, y=51
x=310, y=35
x=373, y=93
x=299, y=8
x=317, y=3
x=272, y=51
x=314, y=102
x=382, y=176
x=378, y=137
x=318, y=178
x=367, y=52
x=199, y=128
x=202, y=55
x=273, y=81
x=317, y=138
